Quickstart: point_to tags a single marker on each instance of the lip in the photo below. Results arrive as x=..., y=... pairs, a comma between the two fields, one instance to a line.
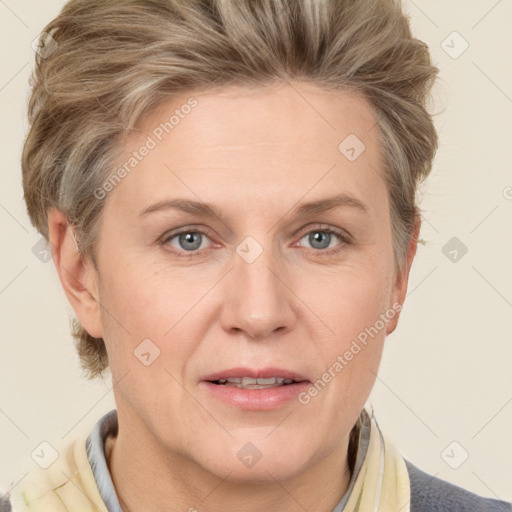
x=255, y=399
x=254, y=373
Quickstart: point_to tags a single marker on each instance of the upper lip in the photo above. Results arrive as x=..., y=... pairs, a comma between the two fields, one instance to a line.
x=254, y=373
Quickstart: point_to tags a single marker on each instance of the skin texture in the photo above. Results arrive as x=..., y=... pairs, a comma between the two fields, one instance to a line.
x=256, y=154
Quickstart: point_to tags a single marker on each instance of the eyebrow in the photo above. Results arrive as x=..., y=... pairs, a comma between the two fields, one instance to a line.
x=301, y=210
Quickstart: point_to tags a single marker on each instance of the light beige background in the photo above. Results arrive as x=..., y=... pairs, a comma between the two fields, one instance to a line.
x=446, y=372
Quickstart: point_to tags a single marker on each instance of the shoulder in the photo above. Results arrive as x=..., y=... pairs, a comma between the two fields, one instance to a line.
x=5, y=503
x=431, y=494
x=68, y=483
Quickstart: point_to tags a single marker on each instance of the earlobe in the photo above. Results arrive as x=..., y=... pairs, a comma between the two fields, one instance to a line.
x=77, y=273
x=402, y=278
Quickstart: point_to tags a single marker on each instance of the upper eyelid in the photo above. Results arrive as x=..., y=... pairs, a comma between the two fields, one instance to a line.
x=324, y=227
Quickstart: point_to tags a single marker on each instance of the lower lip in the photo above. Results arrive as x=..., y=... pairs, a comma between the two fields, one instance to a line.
x=256, y=399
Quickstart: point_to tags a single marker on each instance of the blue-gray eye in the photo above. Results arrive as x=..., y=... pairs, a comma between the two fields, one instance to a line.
x=321, y=238
x=190, y=240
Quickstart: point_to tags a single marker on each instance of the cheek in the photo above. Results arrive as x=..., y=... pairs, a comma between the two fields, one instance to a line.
x=144, y=297
x=145, y=300
x=354, y=308
x=349, y=300
x=151, y=332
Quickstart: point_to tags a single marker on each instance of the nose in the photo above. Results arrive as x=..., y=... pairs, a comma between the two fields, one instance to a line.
x=258, y=302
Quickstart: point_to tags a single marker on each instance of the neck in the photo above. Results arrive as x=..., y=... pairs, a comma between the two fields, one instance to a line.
x=151, y=482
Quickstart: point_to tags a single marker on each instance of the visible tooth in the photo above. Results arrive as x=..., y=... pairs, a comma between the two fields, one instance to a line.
x=257, y=386
x=249, y=382
x=269, y=380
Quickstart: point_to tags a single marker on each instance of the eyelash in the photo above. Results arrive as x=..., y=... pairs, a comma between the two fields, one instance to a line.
x=344, y=237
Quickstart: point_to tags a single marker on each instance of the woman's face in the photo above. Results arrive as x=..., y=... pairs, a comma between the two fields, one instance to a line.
x=291, y=277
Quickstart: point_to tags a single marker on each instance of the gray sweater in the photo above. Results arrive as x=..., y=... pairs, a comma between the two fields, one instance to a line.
x=431, y=494
x=428, y=493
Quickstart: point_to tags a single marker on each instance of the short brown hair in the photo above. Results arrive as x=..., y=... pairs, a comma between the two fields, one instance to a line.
x=106, y=63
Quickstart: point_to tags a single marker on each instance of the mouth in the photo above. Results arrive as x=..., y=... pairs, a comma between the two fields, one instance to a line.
x=259, y=383
x=255, y=389
x=254, y=378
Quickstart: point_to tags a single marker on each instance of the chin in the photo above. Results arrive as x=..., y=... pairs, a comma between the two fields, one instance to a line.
x=261, y=473
x=255, y=462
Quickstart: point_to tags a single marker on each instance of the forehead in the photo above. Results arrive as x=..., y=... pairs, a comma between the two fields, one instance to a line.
x=285, y=140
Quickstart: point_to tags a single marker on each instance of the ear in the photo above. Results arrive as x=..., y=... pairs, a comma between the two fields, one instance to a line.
x=402, y=278
x=77, y=273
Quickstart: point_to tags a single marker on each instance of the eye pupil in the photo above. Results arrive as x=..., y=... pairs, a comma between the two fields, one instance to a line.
x=194, y=239
x=321, y=237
